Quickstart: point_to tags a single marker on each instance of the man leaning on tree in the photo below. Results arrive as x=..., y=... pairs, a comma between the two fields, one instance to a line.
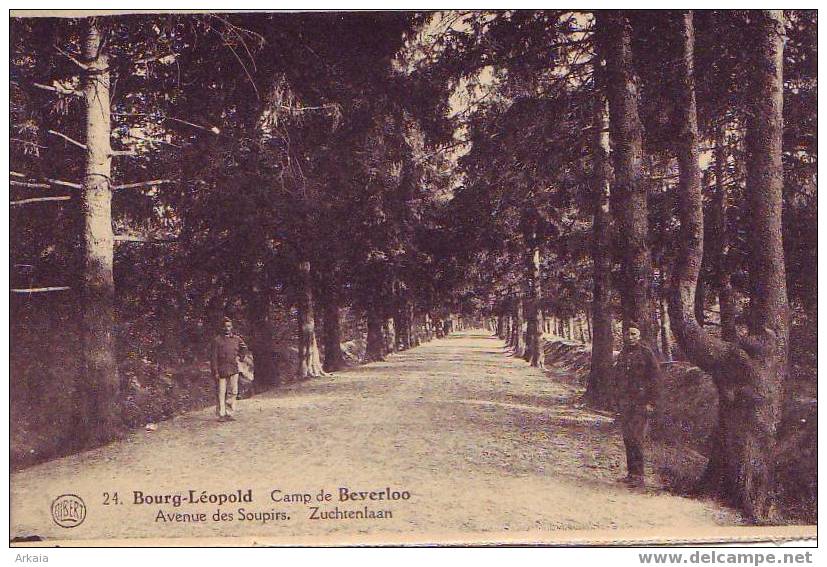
x=226, y=348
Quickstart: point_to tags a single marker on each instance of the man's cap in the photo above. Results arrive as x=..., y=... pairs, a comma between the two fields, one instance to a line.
x=633, y=325
x=227, y=320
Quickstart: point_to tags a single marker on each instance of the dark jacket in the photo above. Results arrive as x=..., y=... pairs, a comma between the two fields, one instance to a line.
x=638, y=376
x=224, y=353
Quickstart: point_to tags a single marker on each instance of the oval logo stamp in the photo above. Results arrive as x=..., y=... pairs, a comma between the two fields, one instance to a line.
x=68, y=510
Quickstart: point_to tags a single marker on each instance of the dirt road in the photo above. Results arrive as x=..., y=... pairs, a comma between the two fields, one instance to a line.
x=478, y=441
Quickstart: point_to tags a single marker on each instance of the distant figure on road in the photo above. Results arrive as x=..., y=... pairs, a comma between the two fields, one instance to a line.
x=225, y=351
x=638, y=377
x=446, y=327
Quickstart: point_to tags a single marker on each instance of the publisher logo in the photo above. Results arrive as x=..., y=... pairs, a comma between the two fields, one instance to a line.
x=68, y=511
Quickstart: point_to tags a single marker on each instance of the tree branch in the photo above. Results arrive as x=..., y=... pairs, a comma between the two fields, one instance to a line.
x=153, y=58
x=67, y=138
x=72, y=58
x=57, y=89
x=65, y=183
x=228, y=43
x=29, y=184
x=142, y=239
x=40, y=200
x=154, y=140
x=39, y=289
x=144, y=183
x=307, y=108
x=213, y=129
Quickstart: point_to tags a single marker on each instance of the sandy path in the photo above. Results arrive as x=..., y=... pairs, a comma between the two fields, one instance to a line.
x=482, y=442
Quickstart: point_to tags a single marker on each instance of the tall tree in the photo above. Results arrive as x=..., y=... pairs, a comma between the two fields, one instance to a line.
x=375, y=343
x=602, y=355
x=517, y=342
x=332, y=337
x=749, y=373
x=719, y=220
x=100, y=367
x=533, y=229
x=629, y=198
x=310, y=363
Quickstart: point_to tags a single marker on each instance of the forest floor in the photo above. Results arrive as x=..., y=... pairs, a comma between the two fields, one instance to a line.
x=483, y=443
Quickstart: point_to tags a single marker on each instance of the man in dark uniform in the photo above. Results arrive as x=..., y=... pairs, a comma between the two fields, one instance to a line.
x=638, y=377
x=225, y=350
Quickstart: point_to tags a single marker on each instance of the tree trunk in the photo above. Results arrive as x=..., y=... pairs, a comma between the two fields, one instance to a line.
x=402, y=325
x=173, y=321
x=748, y=374
x=509, y=342
x=389, y=333
x=532, y=225
x=628, y=197
x=333, y=358
x=768, y=300
x=261, y=340
x=665, y=342
x=375, y=347
x=517, y=344
x=589, y=328
x=700, y=299
x=719, y=229
x=534, y=315
x=414, y=326
x=310, y=364
x=529, y=329
x=101, y=383
x=398, y=328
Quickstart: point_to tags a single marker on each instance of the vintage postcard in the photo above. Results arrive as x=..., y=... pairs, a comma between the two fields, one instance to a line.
x=443, y=277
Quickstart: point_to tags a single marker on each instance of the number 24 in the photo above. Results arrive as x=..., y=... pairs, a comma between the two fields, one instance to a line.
x=110, y=499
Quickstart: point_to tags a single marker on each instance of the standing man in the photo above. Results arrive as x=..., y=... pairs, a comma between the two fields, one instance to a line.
x=225, y=350
x=438, y=326
x=638, y=376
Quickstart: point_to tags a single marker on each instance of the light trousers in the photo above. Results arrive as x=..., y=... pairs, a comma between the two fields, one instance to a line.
x=227, y=394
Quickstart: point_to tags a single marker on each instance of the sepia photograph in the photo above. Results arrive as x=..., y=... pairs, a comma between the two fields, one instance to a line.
x=454, y=277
